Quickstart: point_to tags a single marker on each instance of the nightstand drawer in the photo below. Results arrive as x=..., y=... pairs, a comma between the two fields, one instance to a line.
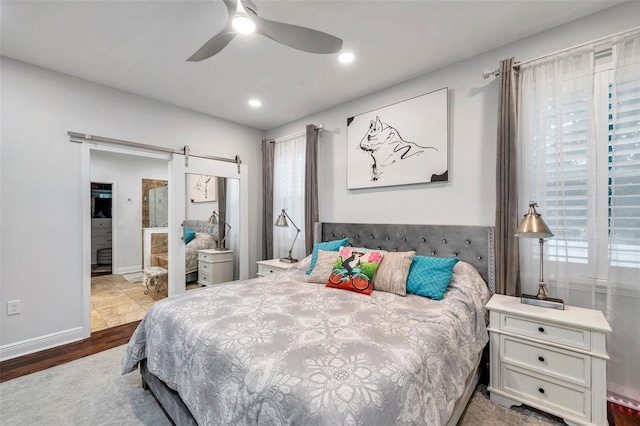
x=563, y=335
x=204, y=277
x=564, y=365
x=264, y=270
x=573, y=401
x=215, y=255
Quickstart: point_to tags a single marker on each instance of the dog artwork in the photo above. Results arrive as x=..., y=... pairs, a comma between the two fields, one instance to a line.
x=387, y=148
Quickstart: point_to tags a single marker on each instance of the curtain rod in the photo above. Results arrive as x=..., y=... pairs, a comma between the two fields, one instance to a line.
x=276, y=140
x=488, y=73
x=186, y=151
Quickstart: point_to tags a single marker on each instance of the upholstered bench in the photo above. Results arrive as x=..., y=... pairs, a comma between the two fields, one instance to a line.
x=154, y=276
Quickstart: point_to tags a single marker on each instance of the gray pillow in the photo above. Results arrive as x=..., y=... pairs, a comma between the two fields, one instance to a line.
x=323, y=268
x=393, y=271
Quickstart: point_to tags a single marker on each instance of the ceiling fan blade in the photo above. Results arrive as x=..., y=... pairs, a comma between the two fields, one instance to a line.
x=220, y=40
x=297, y=37
x=214, y=46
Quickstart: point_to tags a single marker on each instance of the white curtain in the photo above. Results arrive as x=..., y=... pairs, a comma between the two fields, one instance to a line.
x=233, y=219
x=571, y=163
x=288, y=193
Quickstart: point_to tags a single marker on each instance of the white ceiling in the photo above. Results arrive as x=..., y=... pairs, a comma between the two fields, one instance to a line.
x=141, y=46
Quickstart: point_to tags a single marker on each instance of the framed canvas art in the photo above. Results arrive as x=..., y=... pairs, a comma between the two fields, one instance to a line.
x=400, y=144
x=202, y=188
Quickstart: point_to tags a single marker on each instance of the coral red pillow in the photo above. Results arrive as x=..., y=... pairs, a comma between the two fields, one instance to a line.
x=354, y=270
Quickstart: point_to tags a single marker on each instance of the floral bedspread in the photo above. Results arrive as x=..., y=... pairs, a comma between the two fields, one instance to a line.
x=201, y=241
x=278, y=350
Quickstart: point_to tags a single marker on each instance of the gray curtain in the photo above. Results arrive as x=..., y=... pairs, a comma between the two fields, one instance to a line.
x=268, y=149
x=507, y=214
x=310, y=186
x=222, y=209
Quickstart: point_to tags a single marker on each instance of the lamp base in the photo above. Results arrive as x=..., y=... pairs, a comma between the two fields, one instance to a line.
x=549, y=302
x=288, y=260
x=221, y=249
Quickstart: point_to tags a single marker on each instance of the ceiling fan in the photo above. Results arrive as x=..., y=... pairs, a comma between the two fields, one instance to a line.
x=245, y=20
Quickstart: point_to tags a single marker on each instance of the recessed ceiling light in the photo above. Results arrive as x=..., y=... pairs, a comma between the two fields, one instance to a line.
x=255, y=103
x=346, y=57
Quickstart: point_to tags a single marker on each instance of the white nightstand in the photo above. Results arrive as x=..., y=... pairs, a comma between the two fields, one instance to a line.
x=215, y=266
x=272, y=266
x=549, y=359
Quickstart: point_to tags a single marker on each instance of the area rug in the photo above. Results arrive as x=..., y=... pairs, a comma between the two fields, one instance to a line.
x=91, y=391
x=134, y=277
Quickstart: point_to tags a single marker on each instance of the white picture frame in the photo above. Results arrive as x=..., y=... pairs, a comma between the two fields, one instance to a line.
x=400, y=144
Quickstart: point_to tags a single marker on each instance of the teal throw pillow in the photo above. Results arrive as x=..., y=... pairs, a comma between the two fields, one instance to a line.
x=326, y=246
x=430, y=276
x=189, y=234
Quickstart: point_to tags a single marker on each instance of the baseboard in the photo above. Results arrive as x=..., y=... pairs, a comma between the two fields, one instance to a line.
x=129, y=269
x=37, y=344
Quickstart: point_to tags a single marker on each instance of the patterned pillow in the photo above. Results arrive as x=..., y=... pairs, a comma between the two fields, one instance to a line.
x=324, y=266
x=393, y=272
x=326, y=246
x=354, y=270
x=430, y=276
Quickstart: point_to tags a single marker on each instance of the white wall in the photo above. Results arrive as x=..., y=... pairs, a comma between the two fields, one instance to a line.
x=40, y=187
x=127, y=172
x=469, y=196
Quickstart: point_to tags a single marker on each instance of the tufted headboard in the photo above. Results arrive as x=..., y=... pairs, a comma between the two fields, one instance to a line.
x=472, y=244
x=202, y=226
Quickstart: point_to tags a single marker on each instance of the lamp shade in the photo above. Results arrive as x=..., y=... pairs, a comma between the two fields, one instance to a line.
x=282, y=220
x=532, y=226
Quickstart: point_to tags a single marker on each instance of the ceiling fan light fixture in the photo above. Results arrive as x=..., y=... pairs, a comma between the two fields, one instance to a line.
x=243, y=24
x=346, y=57
x=255, y=103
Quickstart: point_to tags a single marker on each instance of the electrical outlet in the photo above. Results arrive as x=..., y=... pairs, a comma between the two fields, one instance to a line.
x=13, y=307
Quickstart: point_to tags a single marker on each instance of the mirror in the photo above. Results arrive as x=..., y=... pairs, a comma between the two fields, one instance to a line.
x=213, y=214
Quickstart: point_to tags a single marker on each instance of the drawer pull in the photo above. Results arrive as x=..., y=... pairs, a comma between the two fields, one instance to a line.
x=541, y=329
x=540, y=390
x=541, y=358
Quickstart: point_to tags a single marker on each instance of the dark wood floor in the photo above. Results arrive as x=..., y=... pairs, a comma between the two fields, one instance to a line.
x=116, y=336
x=98, y=342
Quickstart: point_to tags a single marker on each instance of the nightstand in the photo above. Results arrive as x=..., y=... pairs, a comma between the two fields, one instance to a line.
x=272, y=266
x=214, y=266
x=550, y=359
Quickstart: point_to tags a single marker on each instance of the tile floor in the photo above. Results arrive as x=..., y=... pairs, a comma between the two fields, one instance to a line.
x=116, y=301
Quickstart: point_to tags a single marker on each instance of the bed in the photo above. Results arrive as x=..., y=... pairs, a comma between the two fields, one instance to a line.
x=279, y=350
x=206, y=236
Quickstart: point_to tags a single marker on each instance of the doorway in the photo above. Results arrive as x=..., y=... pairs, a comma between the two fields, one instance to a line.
x=101, y=228
x=117, y=292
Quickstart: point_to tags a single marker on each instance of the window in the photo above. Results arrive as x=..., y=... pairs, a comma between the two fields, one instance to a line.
x=591, y=193
x=579, y=151
x=623, y=169
x=288, y=193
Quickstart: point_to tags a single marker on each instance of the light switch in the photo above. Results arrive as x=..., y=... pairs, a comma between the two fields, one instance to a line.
x=120, y=224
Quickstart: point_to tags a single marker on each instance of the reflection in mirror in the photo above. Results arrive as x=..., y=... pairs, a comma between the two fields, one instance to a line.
x=211, y=230
x=155, y=203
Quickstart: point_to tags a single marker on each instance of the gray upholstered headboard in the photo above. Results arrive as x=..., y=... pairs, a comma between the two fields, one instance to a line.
x=202, y=226
x=473, y=244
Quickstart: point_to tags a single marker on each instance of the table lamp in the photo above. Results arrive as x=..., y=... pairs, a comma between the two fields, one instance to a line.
x=214, y=219
x=532, y=226
x=282, y=222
